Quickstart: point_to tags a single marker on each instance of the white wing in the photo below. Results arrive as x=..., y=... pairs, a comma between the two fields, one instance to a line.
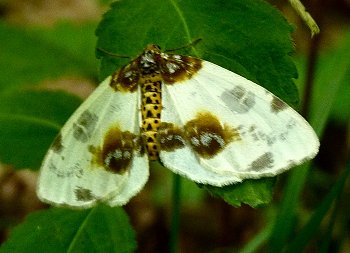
x=73, y=172
x=264, y=136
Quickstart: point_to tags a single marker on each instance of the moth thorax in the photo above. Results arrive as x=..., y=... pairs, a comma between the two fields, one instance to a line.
x=151, y=107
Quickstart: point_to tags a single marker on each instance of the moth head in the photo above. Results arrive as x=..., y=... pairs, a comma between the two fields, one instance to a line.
x=153, y=48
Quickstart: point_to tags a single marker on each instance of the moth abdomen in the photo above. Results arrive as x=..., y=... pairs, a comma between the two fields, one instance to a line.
x=151, y=107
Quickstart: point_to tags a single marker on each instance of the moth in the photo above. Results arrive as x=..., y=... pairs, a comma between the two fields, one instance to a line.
x=200, y=120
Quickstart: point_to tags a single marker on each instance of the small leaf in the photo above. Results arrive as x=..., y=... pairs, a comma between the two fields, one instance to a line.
x=305, y=16
x=101, y=229
x=251, y=192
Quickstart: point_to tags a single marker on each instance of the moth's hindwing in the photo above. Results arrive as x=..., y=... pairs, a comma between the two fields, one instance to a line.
x=231, y=129
x=97, y=155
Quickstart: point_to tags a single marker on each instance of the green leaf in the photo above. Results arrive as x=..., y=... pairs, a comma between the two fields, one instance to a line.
x=35, y=54
x=332, y=81
x=29, y=121
x=251, y=192
x=312, y=227
x=248, y=37
x=101, y=229
x=331, y=75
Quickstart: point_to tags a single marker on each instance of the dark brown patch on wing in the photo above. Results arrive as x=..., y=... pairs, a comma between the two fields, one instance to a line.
x=177, y=68
x=277, y=104
x=170, y=137
x=117, y=151
x=208, y=136
x=127, y=78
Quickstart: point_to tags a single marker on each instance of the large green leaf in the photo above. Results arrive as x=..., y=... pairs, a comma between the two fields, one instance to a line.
x=31, y=117
x=36, y=54
x=101, y=229
x=29, y=121
x=249, y=37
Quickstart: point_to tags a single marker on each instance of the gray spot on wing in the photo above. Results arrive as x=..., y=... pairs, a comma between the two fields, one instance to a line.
x=57, y=146
x=238, y=99
x=83, y=194
x=85, y=125
x=262, y=162
x=67, y=171
x=280, y=132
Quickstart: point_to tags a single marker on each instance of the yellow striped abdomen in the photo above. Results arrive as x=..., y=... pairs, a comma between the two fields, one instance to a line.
x=151, y=107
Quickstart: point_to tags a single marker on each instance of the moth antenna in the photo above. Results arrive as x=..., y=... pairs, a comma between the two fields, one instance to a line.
x=112, y=54
x=191, y=44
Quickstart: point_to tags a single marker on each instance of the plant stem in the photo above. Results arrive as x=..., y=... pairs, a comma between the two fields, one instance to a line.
x=175, y=216
x=310, y=75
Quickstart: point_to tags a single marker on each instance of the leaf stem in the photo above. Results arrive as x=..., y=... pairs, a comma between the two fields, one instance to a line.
x=310, y=75
x=175, y=216
x=305, y=16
